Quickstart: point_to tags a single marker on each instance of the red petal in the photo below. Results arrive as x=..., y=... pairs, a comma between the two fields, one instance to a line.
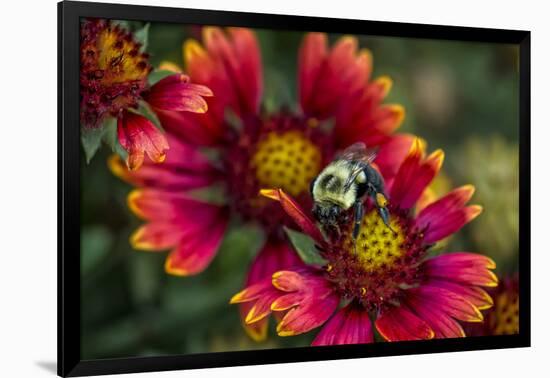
x=414, y=175
x=154, y=204
x=442, y=325
x=447, y=215
x=184, y=168
x=196, y=250
x=229, y=65
x=350, y=325
x=255, y=305
x=137, y=135
x=156, y=236
x=193, y=128
x=175, y=93
x=295, y=212
x=275, y=255
x=311, y=56
x=310, y=314
x=399, y=324
x=473, y=294
x=313, y=299
x=362, y=117
x=199, y=231
x=340, y=72
x=450, y=303
x=253, y=291
x=462, y=267
x=250, y=66
x=391, y=154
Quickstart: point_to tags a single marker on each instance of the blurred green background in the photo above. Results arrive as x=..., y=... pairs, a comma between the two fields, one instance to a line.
x=462, y=97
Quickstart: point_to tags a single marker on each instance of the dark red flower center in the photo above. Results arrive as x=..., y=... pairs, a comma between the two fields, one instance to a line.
x=375, y=268
x=113, y=71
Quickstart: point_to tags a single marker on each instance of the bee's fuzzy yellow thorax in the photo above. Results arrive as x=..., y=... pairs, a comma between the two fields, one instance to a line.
x=332, y=190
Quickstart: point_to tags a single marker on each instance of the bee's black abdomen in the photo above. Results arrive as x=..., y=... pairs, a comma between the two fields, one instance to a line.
x=374, y=178
x=361, y=189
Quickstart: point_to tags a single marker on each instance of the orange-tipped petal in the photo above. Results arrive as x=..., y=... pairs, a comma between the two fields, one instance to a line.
x=462, y=267
x=137, y=135
x=328, y=77
x=443, y=325
x=176, y=93
x=275, y=255
x=295, y=212
x=156, y=236
x=400, y=324
x=414, y=175
x=315, y=301
x=350, y=325
x=195, y=251
x=185, y=168
x=448, y=214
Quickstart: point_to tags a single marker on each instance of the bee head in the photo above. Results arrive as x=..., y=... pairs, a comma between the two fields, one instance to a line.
x=327, y=213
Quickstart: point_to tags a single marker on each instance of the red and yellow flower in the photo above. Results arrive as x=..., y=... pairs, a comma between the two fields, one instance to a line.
x=113, y=81
x=388, y=279
x=503, y=317
x=254, y=150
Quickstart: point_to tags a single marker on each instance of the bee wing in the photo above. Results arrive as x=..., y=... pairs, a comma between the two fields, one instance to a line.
x=356, y=169
x=358, y=155
x=358, y=152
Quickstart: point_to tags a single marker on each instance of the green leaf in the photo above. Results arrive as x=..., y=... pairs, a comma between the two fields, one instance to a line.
x=122, y=24
x=305, y=247
x=212, y=194
x=146, y=276
x=277, y=93
x=233, y=119
x=142, y=36
x=158, y=75
x=110, y=137
x=106, y=133
x=96, y=242
x=91, y=140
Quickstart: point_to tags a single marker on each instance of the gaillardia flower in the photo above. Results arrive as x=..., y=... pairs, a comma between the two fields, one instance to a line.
x=388, y=278
x=114, y=80
x=254, y=150
x=503, y=317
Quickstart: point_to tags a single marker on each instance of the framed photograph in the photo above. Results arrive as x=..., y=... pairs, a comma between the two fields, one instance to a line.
x=240, y=188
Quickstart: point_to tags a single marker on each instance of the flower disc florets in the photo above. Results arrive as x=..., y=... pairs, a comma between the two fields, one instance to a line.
x=113, y=71
x=382, y=261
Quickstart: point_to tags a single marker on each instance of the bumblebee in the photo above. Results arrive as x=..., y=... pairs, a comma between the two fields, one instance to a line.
x=344, y=184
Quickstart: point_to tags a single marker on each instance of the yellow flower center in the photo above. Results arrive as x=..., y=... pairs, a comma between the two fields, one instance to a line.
x=377, y=247
x=287, y=160
x=505, y=319
x=120, y=58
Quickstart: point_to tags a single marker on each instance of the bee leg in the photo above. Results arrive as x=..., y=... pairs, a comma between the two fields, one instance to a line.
x=385, y=215
x=357, y=219
x=381, y=203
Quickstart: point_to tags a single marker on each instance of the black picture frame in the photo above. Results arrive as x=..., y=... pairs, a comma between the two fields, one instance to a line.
x=69, y=298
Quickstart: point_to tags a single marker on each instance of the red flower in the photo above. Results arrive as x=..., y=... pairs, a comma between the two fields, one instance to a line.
x=256, y=150
x=387, y=276
x=503, y=317
x=113, y=79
